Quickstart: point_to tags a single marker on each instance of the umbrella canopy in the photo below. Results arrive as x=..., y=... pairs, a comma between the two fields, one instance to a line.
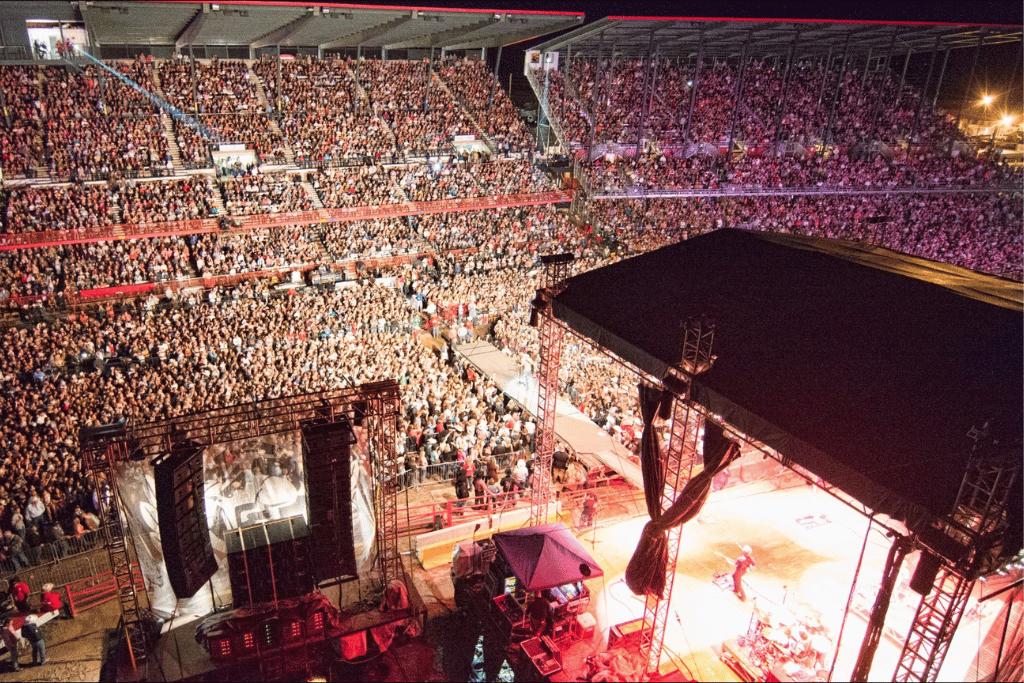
x=546, y=556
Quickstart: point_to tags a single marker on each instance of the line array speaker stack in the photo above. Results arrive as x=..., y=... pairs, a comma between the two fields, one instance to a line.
x=269, y=561
x=327, y=448
x=181, y=511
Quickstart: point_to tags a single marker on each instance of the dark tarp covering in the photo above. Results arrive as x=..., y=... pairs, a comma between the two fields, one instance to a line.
x=546, y=556
x=862, y=365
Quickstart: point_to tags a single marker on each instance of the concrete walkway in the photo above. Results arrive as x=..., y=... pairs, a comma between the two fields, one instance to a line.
x=571, y=426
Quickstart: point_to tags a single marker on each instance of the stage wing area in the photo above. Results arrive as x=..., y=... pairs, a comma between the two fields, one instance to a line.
x=865, y=366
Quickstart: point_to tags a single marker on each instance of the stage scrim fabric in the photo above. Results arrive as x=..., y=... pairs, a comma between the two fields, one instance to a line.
x=645, y=573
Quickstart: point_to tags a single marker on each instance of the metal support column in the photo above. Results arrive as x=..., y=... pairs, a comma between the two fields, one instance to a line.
x=696, y=84
x=494, y=83
x=278, y=78
x=835, y=94
x=556, y=272
x=648, y=87
x=430, y=70
x=864, y=79
x=738, y=97
x=824, y=77
x=99, y=456
x=975, y=531
x=682, y=448
x=924, y=92
x=881, y=88
x=382, y=410
x=903, y=77
x=593, y=99
x=942, y=74
x=192, y=64
x=785, y=90
x=970, y=78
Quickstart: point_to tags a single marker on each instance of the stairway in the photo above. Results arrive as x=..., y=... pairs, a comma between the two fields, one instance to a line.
x=488, y=140
x=218, y=199
x=43, y=169
x=261, y=94
x=313, y=196
x=364, y=101
x=172, y=142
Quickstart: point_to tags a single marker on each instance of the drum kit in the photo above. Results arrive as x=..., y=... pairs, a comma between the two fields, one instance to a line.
x=794, y=638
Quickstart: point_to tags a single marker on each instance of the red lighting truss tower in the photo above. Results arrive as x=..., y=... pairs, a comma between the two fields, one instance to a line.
x=968, y=543
x=556, y=272
x=687, y=418
x=101, y=448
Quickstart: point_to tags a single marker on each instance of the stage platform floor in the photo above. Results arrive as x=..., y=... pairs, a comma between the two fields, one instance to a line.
x=798, y=566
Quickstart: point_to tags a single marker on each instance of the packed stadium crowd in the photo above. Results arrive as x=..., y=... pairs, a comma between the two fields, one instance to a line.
x=477, y=89
x=420, y=113
x=97, y=126
x=256, y=193
x=597, y=98
x=173, y=353
x=802, y=170
x=21, y=142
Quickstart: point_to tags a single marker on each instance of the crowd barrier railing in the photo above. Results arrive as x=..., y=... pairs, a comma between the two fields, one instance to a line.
x=22, y=240
x=766, y=191
x=94, y=591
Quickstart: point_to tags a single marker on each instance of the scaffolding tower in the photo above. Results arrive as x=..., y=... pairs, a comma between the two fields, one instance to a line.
x=556, y=272
x=968, y=543
x=101, y=449
x=687, y=418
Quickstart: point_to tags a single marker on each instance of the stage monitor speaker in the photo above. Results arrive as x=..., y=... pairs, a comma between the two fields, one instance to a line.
x=327, y=451
x=269, y=561
x=181, y=512
x=924, y=576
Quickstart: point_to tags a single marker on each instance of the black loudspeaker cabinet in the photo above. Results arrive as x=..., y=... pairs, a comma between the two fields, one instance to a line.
x=326, y=448
x=181, y=511
x=269, y=561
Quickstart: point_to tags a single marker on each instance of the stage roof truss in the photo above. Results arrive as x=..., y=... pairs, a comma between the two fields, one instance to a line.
x=320, y=25
x=680, y=37
x=848, y=434
x=255, y=419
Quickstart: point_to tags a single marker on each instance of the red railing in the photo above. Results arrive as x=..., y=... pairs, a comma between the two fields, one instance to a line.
x=49, y=238
x=417, y=519
x=94, y=591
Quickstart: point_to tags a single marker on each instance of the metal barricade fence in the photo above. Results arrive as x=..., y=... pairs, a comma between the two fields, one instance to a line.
x=441, y=472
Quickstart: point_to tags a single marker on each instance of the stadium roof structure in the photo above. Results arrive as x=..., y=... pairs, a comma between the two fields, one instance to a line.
x=323, y=25
x=865, y=366
x=682, y=36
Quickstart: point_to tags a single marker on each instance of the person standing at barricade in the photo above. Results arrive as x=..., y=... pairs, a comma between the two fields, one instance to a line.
x=31, y=632
x=19, y=593
x=589, y=510
x=10, y=638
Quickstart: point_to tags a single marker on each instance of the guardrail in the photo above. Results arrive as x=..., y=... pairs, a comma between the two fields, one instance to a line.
x=756, y=191
x=252, y=222
x=94, y=591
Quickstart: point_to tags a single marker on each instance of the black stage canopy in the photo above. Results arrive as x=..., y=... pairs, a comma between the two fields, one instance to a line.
x=865, y=366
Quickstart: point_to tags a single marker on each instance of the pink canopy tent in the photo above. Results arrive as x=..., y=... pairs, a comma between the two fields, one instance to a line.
x=546, y=556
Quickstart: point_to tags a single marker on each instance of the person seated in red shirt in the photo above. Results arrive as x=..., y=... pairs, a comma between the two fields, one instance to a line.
x=19, y=593
x=50, y=601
